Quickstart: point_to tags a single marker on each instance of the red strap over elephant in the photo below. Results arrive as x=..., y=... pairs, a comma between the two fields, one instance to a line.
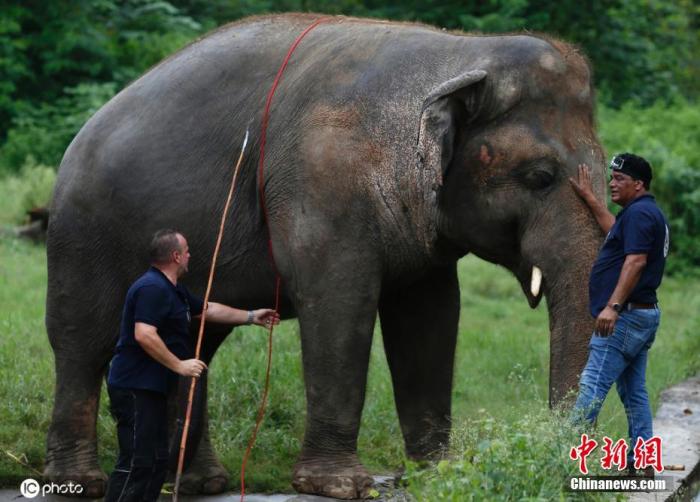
x=261, y=188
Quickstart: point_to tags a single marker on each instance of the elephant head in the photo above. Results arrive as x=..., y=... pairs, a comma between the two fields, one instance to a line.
x=501, y=141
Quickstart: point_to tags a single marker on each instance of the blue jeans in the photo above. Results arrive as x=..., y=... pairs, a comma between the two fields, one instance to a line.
x=622, y=358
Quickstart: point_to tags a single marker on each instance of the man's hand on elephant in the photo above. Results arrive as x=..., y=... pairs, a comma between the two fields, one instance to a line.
x=605, y=323
x=583, y=187
x=191, y=368
x=265, y=318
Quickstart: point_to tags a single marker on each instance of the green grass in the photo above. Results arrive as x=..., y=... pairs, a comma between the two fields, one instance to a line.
x=26, y=360
x=500, y=392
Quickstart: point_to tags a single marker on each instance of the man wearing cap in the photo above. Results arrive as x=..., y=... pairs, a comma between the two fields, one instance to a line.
x=154, y=347
x=622, y=294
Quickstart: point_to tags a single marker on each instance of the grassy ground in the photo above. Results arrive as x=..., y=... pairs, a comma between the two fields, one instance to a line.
x=500, y=397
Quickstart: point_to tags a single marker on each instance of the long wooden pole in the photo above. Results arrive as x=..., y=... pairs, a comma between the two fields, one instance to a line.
x=190, y=397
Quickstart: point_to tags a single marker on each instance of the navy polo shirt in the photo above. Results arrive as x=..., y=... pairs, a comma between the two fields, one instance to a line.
x=153, y=300
x=639, y=228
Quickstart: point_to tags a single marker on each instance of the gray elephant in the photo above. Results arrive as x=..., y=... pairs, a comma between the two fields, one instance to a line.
x=393, y=150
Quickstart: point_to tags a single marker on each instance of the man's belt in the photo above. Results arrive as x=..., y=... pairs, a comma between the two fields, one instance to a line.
x=634, y=306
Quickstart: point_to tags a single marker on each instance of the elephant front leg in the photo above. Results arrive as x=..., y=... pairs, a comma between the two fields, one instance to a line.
x=337, y=320
x=419, y=327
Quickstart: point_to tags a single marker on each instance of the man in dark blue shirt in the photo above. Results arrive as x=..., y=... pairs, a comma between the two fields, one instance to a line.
x=622, y=294
x=153, y=349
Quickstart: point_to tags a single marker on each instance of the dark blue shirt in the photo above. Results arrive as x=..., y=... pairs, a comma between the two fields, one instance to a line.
x=153, y=300
x=640, y=228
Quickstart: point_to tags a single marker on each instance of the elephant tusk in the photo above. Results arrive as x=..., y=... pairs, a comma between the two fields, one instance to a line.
x=536, y=281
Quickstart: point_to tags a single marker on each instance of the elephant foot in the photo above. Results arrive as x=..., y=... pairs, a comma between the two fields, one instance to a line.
x=429, y=449
x=342, y=479
x=196, y=483
x=427, y=458
x=205, y=475
x=76, y=464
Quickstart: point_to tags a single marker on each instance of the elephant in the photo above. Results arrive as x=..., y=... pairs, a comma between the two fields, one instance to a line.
x=393, y=149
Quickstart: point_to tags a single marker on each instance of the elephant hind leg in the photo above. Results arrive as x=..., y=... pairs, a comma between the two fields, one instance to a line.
x=206, y=474
x=203, y=472
x=82, y=324
x=71, y=453
x=419, y=327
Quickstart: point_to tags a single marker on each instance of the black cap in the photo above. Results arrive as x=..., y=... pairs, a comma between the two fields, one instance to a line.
x=632, y=165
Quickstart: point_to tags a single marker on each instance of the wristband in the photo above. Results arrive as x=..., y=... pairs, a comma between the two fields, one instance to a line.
x=250, y=317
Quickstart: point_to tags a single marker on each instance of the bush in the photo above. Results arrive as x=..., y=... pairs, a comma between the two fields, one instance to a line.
x=658, y=132
x=31, y=187
x=679, y=193
x=493, y=459
x=44, y=131
x=667, y=136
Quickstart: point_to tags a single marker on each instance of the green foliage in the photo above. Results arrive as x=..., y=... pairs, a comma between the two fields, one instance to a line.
x=143, y=32
x=13, y=63
x=43, y=131
x=48, y=47
x=681, y=194
x=29, y=188
x=53, y=54
x=494, y=459
x=668, y=136
x=637, y=48
x=662, y=131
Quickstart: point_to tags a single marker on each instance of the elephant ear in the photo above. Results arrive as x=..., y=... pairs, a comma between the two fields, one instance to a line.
x=458, y=99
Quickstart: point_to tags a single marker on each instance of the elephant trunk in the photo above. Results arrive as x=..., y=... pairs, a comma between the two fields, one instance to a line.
x=570, y=322
x=570, y=326
x=565, y=262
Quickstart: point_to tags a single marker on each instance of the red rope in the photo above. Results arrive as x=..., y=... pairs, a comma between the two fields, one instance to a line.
x=261, y=180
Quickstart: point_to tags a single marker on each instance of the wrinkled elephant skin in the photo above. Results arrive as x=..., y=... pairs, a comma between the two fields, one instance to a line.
x=392, y=150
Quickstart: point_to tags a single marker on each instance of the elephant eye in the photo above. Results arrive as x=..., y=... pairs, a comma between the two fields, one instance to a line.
x=538, y=179
x=536, y=174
